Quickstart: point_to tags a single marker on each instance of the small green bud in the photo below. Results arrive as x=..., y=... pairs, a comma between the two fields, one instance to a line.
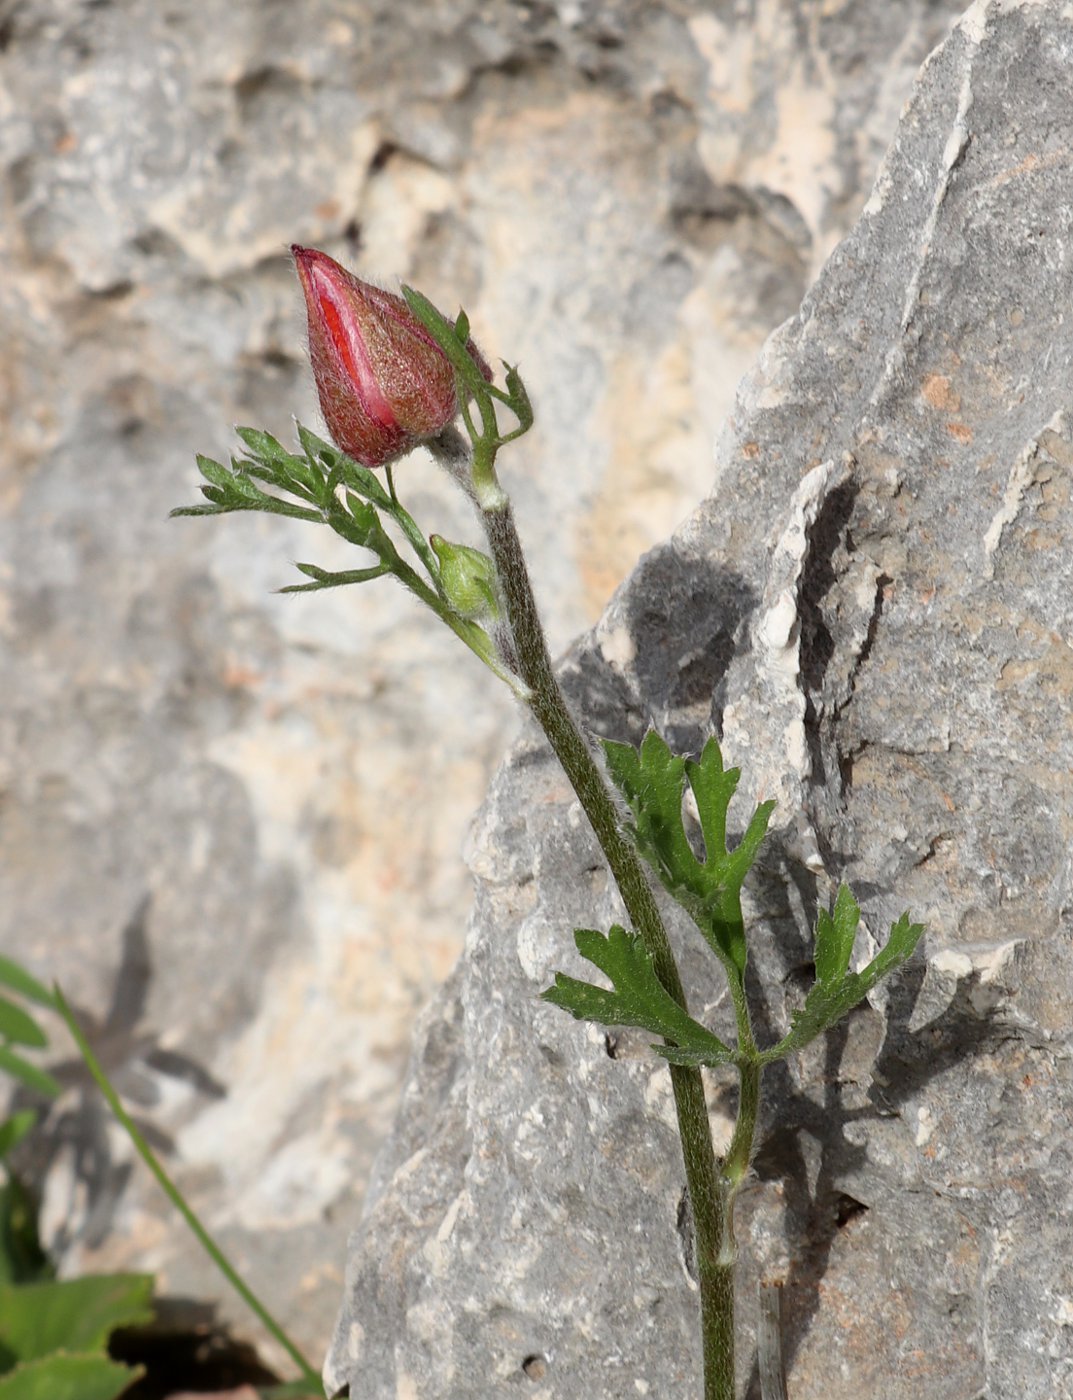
x=468, y=578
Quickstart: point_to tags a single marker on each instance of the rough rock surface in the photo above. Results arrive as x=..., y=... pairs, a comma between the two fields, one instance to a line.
x=211, y=824
x=874, y=610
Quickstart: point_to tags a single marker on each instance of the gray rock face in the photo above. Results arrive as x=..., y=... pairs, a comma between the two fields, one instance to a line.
x=212, y=826
x=874, y=610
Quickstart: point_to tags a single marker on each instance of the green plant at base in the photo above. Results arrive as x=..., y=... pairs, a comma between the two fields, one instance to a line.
x=505, y=633
x=21, y=1257
x=53, y=1333
x=308, y=1382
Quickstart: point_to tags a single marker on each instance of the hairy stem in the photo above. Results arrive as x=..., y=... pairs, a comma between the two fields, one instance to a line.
x=709, y=1193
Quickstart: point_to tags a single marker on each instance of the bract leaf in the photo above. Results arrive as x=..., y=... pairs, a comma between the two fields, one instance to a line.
x=322, y=578
x=518, y=398
x=638, y=999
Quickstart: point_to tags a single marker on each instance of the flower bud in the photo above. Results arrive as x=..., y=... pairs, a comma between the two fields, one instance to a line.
x=383, y=382
x=468, y=579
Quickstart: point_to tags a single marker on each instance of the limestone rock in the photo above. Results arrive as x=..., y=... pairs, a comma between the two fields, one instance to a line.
x=874, y=610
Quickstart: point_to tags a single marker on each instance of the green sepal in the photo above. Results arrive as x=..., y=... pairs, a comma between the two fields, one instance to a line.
x=638, y=999
x=837, y=990
x=652, y=780
x=461, y=327
x=443, y=333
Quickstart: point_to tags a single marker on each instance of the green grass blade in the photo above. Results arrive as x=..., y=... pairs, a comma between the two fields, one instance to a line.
x=174, y=1195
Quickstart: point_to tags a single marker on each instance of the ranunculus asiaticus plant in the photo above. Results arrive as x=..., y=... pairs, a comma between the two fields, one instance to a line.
x=393, y=372
x=383, y=382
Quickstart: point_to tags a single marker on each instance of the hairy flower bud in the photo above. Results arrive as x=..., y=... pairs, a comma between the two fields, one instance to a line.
x=383, y=382
x=468, y=578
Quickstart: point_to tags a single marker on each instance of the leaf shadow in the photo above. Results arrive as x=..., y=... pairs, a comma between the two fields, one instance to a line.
x=905, y=1063
x=77, y=1125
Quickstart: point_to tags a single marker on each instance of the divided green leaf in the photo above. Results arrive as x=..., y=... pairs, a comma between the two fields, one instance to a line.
x=837, y=990
x=652, y=780
x=638, y=999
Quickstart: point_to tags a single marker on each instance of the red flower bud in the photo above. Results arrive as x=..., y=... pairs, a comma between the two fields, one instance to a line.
x=383, y=382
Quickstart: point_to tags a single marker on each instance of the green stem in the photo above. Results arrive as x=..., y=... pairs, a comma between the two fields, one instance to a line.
x=708, y=1192
x=736, y=1161
x=215, y=1253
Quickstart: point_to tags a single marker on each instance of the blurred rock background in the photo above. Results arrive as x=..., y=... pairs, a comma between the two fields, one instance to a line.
x=230, y=822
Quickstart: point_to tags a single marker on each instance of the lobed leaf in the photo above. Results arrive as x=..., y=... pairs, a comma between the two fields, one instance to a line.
x=837, y=991
x=652, y=780
x=63, y=1376
x=73, y=1314
x=835, y=933
x=638, y=998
